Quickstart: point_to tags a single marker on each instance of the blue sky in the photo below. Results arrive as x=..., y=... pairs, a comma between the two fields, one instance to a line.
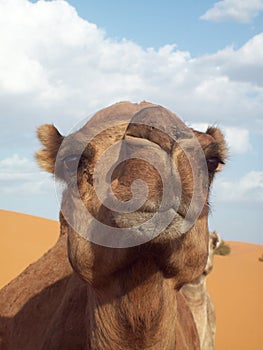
x=61, y=61
x=154, y=24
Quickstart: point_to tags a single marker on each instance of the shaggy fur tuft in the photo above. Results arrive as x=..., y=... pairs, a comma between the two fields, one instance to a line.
x=51, y=139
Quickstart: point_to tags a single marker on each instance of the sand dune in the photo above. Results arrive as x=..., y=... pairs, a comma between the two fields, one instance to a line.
x=23, y=239
x=236, y=284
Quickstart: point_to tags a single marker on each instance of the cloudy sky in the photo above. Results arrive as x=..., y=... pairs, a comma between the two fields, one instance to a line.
x=61, y=61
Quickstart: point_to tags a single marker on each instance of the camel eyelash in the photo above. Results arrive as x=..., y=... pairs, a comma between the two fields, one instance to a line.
x=212, y=151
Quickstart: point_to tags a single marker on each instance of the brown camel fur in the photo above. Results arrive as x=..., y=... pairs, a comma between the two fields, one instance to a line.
x=200, y=302
x=82, y=295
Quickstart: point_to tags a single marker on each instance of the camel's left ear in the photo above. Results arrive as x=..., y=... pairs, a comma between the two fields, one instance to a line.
x=51, y=139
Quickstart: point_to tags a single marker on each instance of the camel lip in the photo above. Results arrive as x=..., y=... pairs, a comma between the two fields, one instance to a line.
x=141, y=218
x=151, y=213
x=165, y=210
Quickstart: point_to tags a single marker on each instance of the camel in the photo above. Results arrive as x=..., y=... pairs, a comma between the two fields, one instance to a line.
x=200, y=302
x=113, y=279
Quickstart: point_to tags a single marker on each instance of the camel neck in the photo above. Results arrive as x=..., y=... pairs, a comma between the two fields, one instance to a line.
x=195, y=292
x=134, y=312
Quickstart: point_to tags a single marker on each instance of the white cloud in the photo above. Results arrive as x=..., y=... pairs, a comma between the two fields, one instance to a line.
x=21, y=176
x=242, y=11
x=245, y=65
x=237, y=139
x=57, y=67
x=259, y=126
x=199, y=126
x=245, y=189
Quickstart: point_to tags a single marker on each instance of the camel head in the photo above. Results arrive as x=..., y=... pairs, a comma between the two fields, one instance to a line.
x=137, y=183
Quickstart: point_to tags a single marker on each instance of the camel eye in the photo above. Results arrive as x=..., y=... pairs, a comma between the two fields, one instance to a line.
x=71, y=163
x=212, y=164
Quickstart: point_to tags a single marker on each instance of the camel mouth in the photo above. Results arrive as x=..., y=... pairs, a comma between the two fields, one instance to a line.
x=150, y=224
x=166, y=223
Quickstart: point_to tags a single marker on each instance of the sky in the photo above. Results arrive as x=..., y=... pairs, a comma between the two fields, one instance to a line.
x=61, y=61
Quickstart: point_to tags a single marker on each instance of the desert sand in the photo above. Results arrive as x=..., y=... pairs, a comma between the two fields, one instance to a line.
x=236, y=283
x=236, y=286
x=23, y=239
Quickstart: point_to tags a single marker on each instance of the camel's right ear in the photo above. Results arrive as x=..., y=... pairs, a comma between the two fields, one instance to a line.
x=51, y=139
x=215, y=239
